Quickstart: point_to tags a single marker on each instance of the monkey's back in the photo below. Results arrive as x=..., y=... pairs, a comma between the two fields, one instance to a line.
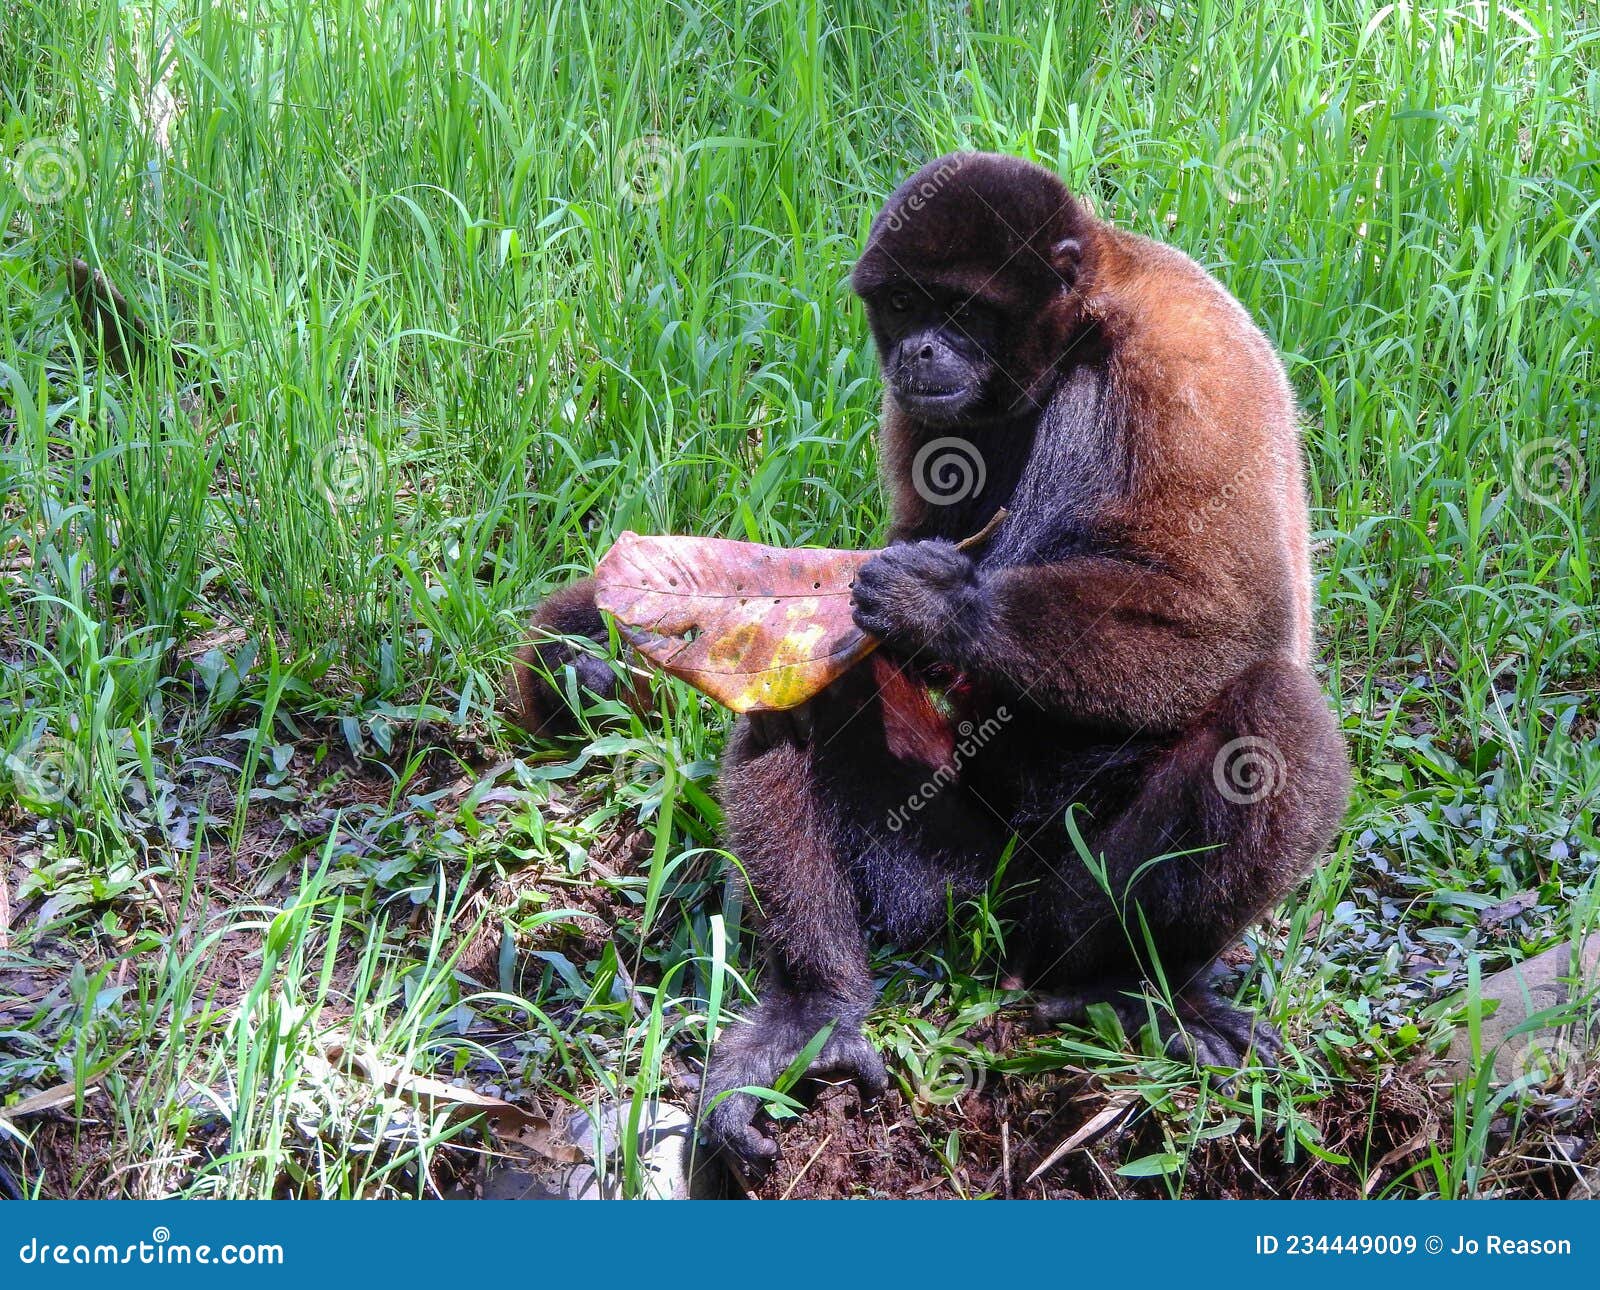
x=1213, y=428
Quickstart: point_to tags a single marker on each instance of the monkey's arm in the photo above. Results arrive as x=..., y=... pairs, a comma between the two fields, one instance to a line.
x=1109, y=640
x=1095, y=638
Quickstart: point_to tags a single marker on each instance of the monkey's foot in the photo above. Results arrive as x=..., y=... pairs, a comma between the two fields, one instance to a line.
x=754, y=1055
x=1207, y=1029
x=541, y=704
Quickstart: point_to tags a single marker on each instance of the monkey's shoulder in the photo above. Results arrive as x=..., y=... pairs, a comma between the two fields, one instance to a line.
x=1203, y=389
x=1155, y=303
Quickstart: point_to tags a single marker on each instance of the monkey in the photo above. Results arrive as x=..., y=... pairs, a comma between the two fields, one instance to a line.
x=535, y=703
x=1134, y=642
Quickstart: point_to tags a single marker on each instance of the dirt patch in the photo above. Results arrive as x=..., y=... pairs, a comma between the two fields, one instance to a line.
x=987, y=1144
x=994, y=1141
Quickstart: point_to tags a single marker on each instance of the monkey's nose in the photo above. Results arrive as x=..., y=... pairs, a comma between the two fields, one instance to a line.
x=925, y=353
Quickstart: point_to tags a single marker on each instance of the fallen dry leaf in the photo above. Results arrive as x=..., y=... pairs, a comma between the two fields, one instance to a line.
x=1099, y=1124
x=50, y=1099
x=757, y=628
x=533, y=1133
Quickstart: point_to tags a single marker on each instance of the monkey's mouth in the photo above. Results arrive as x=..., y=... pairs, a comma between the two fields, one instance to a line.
x=933, y=403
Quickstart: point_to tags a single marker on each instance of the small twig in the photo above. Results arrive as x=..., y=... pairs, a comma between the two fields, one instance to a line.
x=806, y=1168
x=983, y=534
x=1005, y=1156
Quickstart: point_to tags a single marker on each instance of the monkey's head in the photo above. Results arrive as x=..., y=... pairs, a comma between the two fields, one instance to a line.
x=972, y=277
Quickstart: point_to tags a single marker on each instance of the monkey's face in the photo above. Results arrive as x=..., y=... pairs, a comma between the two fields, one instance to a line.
x=972, y=276
x=938, y=351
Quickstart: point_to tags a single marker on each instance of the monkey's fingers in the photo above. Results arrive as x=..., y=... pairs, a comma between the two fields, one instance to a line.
x=730, y=1128
x=852, y=1057
x=755, y=1151
x=788, y=726
x=654, y=645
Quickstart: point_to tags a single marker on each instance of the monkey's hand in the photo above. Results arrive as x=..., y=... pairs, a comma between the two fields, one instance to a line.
x=755, y=1054
x=922, y=598
x=770, y=729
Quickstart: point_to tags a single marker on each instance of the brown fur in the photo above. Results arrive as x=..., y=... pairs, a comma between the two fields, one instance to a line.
x=536, y=705
x=1143, y=610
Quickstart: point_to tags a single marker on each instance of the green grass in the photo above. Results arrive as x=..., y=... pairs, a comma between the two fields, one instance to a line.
x=444, y=297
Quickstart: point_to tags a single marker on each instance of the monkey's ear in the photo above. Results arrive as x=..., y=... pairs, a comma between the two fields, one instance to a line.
x=1066, y=256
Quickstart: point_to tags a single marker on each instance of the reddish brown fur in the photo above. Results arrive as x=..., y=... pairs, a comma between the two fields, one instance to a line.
x=1144, y=608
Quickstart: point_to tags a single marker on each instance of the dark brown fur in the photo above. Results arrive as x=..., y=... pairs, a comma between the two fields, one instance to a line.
x=1144, y=608
x=536, y=705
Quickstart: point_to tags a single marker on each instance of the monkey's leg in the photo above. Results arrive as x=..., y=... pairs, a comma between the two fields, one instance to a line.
x=783, y=826
x=540, y=707
x=835, y=834
x=1226, y=821
x=1204, y=1025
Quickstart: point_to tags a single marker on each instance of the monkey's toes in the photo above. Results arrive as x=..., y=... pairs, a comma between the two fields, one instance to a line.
x=852, y=1057
x=731, y=1130
x=1052, y=1010
x=1217, y=1034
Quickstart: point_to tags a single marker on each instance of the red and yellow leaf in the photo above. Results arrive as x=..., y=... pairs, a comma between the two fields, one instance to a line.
x=758, y=628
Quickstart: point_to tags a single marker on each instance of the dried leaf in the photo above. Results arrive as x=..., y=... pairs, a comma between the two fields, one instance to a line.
x=532, y=1132
x=1096, y=1127
x=50, y=1099
x=757, y=628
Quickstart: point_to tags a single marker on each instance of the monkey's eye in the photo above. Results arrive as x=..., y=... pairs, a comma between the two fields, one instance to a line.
x=900, y=300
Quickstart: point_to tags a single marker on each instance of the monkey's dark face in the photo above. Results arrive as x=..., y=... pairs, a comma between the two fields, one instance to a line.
x=972, y=277
x=937, y=349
